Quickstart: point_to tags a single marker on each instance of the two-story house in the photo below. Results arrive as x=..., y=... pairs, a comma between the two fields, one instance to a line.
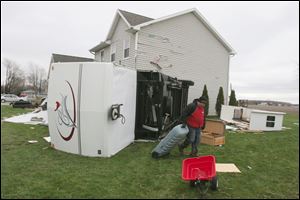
x=182, y=45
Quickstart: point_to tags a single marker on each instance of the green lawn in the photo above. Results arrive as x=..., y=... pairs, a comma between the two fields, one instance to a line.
x=38, y=171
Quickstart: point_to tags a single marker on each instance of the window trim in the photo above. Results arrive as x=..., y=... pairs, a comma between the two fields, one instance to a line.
x=102, y=58
x=113, y=52
x=123, y=52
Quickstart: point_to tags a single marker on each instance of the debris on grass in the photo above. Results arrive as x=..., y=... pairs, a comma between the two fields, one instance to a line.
x=141, y=140
x=33, y=118
x=48, y=139
x=286, y=128
x=32, y=141
x=228, y=127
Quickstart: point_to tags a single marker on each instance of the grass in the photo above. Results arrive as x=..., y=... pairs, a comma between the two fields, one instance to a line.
x=269, y=164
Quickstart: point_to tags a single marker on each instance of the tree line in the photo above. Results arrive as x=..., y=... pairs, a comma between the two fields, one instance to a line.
x=220, y=100
x=17, y=80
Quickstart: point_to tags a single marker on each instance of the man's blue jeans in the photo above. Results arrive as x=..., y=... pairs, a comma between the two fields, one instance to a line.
x=193, y=138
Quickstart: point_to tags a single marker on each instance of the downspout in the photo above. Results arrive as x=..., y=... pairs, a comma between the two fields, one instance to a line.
x=228, y=89
x=136, y=48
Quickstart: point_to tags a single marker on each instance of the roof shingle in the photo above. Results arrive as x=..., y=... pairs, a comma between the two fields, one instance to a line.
x=134, y=19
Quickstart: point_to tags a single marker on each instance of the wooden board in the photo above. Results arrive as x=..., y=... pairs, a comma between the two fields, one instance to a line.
x=227, y=167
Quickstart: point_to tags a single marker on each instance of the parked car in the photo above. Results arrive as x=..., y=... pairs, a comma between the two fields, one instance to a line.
x=43, y=104
x=22, y=104
x=11, y=98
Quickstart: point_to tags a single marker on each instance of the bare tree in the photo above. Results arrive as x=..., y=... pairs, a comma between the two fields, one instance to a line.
x=44, y=86
x=37, y=78
x=14, y=80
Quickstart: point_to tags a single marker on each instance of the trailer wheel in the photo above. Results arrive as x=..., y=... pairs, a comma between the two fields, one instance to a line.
x=192, y=183
x=214, y=183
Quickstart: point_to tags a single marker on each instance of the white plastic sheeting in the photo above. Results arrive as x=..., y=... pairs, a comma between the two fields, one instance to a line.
x=33, y=118
x=80, y=96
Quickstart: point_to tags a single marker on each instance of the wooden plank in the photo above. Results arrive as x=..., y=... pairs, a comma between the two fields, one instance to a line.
x=227, y=167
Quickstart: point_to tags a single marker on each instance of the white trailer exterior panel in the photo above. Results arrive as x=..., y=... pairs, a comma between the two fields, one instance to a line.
x=96, y=87
x=266, y=121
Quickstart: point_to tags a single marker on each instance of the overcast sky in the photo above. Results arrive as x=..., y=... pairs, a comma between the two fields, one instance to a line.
x=265, y=36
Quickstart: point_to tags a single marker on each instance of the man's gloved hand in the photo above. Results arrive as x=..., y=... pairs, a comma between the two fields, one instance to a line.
x=183, y=125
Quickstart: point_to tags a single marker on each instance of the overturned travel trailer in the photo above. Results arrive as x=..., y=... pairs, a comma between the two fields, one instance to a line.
x=97, y=109
x=160, y=101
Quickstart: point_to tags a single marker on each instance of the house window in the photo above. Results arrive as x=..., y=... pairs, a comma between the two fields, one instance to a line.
x=102, y=56
x=113, y=52
x=270, y=121
x=126, y=45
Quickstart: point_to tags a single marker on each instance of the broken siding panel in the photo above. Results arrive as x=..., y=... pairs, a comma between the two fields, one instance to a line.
x=183, y=47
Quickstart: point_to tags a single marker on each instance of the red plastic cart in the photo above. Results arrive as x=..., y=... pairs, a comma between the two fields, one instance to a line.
x=201, y=172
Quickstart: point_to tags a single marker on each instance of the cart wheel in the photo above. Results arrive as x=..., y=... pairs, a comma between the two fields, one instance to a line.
x=202, y=186
x=192, y=183
x=214, y=183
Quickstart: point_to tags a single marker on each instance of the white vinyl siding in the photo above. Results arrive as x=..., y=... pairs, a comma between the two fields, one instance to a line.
x=120, y=34
x=105, y=57
x=183, y=47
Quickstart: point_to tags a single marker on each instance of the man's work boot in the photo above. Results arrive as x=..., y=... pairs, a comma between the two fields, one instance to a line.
x=194, y=153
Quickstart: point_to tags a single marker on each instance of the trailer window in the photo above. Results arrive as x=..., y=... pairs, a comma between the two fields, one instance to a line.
x=270, y=118
x=270, y=121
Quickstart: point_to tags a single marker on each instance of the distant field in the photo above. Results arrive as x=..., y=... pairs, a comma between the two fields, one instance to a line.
x=287, y=109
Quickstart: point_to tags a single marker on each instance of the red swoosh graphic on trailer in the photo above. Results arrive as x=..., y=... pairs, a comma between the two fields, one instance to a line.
x=74, y=107
x=57, y=105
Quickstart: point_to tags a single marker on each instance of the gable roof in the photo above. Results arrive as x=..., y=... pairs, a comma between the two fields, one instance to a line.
x=66, y=58
x=130, y=19
x=135, y=22
x=134, y=19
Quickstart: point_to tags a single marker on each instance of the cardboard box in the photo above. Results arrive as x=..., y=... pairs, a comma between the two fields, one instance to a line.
x=213, y=134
